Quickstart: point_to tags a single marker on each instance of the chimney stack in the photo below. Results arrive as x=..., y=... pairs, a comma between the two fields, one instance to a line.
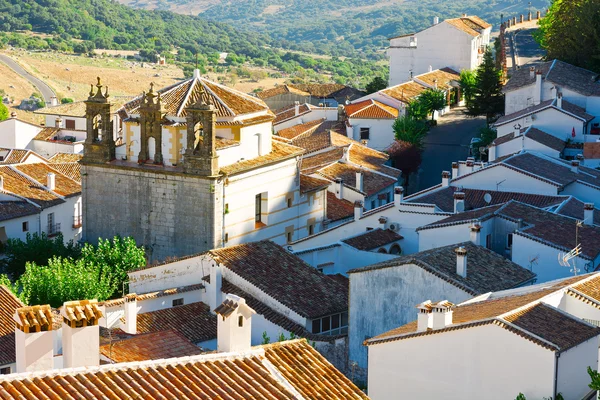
x=34, y=344
x=580, y=158
x=531, y=72
x=196, y=74
x=339, y=188
x=360, y=185
x=430, y=68
x=476, y=234
x=445, y=178
x=398, y=195
x=53, y=101
x=13, y=114
x=296, y=108
x=81, y=333
x=383, y=222
x=358, y=210
x=436, y=20
x=537, y=93
x=470, y=164
x=234, y=325
x=588, y=214
x=130, y=308
x=464, y=15
x=424, y=316
x=454, y=170
x=559, y=100
x=575, y=166
x=441, y=314
x=461, y=261
x=1, y=183
x=51, y=180
x=459, y=202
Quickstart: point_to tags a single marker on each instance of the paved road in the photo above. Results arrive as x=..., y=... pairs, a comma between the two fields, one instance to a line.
x=527, y=49
x=446, y=143
x=46, y=91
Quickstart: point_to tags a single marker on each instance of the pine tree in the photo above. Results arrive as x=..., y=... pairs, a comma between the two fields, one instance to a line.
x=3, y=112
x=487, y=99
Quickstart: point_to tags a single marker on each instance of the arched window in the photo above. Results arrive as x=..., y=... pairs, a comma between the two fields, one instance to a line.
x=151, y=148
x=382, y=250
x=395, y=249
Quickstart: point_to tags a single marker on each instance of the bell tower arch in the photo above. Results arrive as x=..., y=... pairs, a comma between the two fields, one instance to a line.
x=201, y=156
x=99, y=146
x=150, y=126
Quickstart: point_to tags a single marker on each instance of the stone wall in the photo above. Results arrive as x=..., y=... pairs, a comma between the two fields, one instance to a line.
x=171, y=214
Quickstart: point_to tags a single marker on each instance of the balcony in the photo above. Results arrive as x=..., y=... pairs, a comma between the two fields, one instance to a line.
x=77, y=221
x=53, y=230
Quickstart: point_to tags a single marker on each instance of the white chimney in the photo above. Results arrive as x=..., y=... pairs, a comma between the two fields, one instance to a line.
x=424, y=316
x=81, y=333
x=537, y=93
x=296, y=107
x=441, y=314
x=1, y=183
x=575, y=166
x=464, y=15
x=34, y=344
x=588, y=214
x=531, y=72
x=580, y=158
x=476, y=234
x=58, y=122
x=436, y=20
x=383, y=222
x=459, y=202
x=346, y=155
x=130, y=309
x=360, y=184
x=454, y=170
x=461, y=261
x=470, y=164
x=358, y=210
x=339, y=188
x=53, y=101
x=430, y=68
x=213, y=286
x=51, y=180
x=445, y=178
x=559, y=100
x=234, y=325
x=398, y=195
x=196, y=74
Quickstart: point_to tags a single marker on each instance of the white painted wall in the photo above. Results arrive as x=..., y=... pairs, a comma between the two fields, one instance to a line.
x=80, y=346
x=34, y=351
x=484, y=362
x=552, y=121
x=49, y=148
x=582, y=192
x=381, y=133
x=522, y=143
x=16, y=134
x=572, y=382
x=513, y=181
x=316, y=113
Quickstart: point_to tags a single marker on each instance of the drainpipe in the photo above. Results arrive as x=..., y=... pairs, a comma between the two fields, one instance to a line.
x=556, y=375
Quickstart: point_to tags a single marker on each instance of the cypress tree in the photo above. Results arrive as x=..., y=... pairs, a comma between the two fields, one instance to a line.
x=488, y=98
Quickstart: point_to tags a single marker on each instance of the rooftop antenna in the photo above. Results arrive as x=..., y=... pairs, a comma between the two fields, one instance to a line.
x=533, y=261
x=499, y=183
x=565, y=259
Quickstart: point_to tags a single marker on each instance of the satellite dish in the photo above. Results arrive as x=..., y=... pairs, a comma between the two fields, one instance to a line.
x=487, y=198
x=460, y=206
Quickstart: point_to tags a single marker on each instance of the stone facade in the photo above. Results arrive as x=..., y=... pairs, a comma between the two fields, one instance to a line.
x=171, y=214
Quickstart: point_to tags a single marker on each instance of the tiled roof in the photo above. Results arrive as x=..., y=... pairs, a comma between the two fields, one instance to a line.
x=296, y=130
x=290, y=112
x=77, y=108
x=338, y=209
x=16, y=209
x=574, y=208
x=8, y=305
x=310, y=184
x=60, y=158
x=286, y=370
x=405, y=92
x=285, y=277
x=227, y=101
x=440, y=77
x=14, y=156
x=151, y=346
x=322, y=137
x=444, y=198
x=194, y=321
x=372, y=159
x=279, y=90
x=372, y=182
x=154, y=295
x=330, y=90
x=471, y=24
x=521, y=113
x=280, y=152
x=69, y=169
x=276, y=317
x=487, y=271
x=46, y=134
x=314, y=162
x=546, y=139
x=373, y=239
x=64, y=186
x=525, y=311
x=371, y=109
x=17, y=184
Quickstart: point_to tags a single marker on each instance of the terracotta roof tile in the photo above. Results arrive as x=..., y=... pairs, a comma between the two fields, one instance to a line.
x=60, y=158
x=371, y=109
x=194, y=321
x=373, y=239
x=372, y=182
x=285, y=277
x=486, y=271
x=8, y=305
x=330, y=90
x=39, y=171
x=280, y=152
x=471, y=25
x=316, y=161
x=274, y=372
x=279, y=90
x=77, y=108
x=30, y=189
x=405, y=92
x=151, y=346
x=13, y=156
x=443, y=78
x=300, y=129
x=286, y=113
x=16, y=209
x=574, y=208
x=47, y=133
x=154, y=295
x=69, y=169
x=338, y=209
x=310, y=184
x=372, y=159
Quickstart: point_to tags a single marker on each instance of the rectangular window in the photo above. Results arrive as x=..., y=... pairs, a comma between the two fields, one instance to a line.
x=326, y=324
x=316, y=326
x=373, y=204
x=70, y=124
x=364, y=133
x=509, y=240
x=311, y=229
x=177, y=302
x=5, y=371
x=289, y=203
x=226, y=237
x=257, y=208
x=289, y=236
x=25, y=226
x=488, y=241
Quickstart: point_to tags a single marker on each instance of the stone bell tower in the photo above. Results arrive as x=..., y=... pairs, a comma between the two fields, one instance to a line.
x=150, y=127
x=201, y=156
x=99, y=146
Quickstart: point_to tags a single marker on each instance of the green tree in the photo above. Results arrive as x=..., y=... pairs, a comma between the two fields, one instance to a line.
x=571, y=33
x=3, y=112
x=66, y=100
x=409, y=129
x=377, y=84
x=468, y=81
x=416, y=109
x=433, y=100
x=487, y=99
x=595, y=379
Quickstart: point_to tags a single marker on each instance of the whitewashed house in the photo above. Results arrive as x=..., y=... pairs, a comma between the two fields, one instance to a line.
x=9, y=303
x=302, y=116
x=370, y=122
x=457, y=43
x=529, y=138
x=383, y=295
x=536, y=340
x=17, y=134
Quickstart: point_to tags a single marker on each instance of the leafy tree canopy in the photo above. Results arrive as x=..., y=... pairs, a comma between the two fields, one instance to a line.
x=488, y=98
x=432, y=100
x=377, y=84
x=411, y=130
x=3, y=112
